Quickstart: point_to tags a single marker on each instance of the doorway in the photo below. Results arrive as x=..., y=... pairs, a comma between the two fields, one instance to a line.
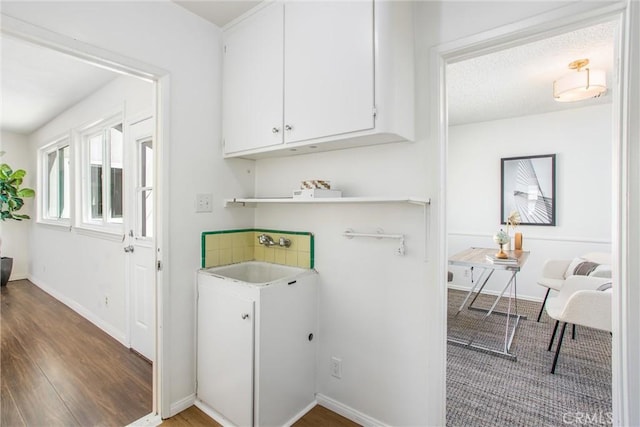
x=458, y=52
x=146, y=235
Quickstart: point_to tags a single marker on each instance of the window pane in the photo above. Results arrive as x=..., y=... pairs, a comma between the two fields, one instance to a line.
x=146, y=213
x=95, y=164
x=116, y=193
x=116, y=164
x=52, y=185
x=96, y=191
x=146, y=164
x=65, y=181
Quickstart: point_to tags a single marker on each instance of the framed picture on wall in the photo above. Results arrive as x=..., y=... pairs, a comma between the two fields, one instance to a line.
x=528, y=186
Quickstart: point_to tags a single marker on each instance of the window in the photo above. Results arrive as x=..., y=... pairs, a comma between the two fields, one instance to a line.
x=55, y=182
x=102, y=165
x=145, y=189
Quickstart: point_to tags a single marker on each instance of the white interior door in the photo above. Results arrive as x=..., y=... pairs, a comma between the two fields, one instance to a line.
x=139, y=242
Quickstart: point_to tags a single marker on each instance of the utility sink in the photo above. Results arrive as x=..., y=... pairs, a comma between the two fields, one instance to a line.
x=256, y=273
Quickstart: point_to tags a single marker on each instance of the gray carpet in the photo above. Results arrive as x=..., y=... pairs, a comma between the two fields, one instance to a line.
x=489, y=390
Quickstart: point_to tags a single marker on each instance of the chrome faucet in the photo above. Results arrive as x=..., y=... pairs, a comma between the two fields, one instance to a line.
x=266, y=240
x=284, y=242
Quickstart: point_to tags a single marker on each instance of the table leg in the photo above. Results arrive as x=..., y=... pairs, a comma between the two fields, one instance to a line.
x=474, y=288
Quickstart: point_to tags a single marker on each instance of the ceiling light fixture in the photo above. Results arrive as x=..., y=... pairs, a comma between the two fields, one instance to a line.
x=583, y=84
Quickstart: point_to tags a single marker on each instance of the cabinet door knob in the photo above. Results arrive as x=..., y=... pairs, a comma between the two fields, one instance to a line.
x=275, y=130
x=288, y=127
x=245, y=316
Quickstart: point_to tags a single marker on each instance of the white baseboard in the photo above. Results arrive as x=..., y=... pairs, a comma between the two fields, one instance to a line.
x=81, y=310
x=182, y=404
x=217, y=416
x=348, y=412
x=220, y=419
x=151, y=420
x=490, y=292
x=300, y=414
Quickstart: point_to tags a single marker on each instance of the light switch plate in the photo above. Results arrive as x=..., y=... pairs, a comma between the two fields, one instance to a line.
x=204, y=203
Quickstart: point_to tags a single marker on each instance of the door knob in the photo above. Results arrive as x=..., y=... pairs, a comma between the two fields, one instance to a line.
x=245, y=316
x=128, y=249
x=288, y=127
x=275, y=130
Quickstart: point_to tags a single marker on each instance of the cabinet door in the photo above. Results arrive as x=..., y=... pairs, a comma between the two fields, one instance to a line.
x=252, y=81
x=329, y=68
x=225, y=354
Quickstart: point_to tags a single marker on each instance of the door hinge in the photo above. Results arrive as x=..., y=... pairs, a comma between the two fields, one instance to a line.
x=375, y=112
x=159, y=265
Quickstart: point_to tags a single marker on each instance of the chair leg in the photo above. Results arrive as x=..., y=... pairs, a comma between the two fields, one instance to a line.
x=555, y=359
x=543, y=302
x=573, y=332
x=555, y=329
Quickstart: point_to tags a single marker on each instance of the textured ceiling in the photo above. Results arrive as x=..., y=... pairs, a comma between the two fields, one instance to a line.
x=519, y=81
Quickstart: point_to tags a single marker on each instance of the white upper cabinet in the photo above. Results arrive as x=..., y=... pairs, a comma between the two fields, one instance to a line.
x=328, y=69
x=252, y=81
x=320, y=75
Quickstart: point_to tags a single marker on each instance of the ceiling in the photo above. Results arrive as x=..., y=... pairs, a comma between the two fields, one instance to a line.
x=38, y=84
x=219, y=12
x=519, y=81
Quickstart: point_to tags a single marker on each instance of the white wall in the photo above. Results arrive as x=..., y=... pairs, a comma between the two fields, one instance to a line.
x=165, y=35
x=379, y=312
x=395, y=367
x=15, y=234
x=86, y=272
x=581, y=140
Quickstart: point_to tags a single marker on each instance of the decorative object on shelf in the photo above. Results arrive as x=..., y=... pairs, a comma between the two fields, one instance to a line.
x=528, y=187
x=501, y=238
x=315, y=193
x=583, y=84
x=315, y=188
x=316, y=183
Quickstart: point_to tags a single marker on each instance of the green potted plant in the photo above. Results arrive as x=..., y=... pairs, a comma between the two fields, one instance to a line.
x=11, y=201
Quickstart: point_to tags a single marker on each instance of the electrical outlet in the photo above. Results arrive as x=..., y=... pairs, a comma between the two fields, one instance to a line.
x=106, y=301
x=204, y=203
x=336, y=367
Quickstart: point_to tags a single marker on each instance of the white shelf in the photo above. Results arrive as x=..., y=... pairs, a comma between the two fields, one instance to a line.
x=252, y=202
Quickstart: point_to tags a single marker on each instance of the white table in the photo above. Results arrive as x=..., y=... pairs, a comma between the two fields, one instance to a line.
x=477, y=258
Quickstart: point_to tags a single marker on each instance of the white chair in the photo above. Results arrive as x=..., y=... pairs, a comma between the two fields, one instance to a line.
x=556, y=271
x=584, y=301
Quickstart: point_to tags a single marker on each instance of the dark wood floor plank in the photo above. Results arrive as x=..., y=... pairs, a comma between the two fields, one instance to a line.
x=97, y=379
x=36, y=399
x=319, y=416
x=191, y=416
x=9, y=413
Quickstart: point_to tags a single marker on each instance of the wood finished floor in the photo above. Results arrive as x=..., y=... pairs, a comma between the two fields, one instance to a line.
x=319, y=416
x=58, y=369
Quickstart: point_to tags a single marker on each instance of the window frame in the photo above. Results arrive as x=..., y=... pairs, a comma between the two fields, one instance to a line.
x=43, y=215
x=84, y=220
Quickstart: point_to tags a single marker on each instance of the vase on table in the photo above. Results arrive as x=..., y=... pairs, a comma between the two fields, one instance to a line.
x=517, y=241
